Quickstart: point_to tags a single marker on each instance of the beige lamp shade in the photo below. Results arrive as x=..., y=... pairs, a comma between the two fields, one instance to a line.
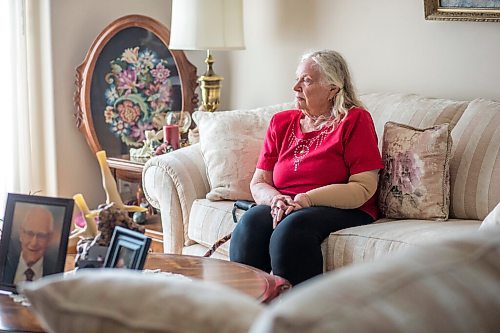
x=207, y=25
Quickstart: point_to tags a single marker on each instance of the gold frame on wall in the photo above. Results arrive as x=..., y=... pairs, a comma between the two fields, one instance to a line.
x=434, y=11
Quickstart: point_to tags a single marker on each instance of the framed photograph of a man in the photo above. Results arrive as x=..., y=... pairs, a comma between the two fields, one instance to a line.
x=34, y=238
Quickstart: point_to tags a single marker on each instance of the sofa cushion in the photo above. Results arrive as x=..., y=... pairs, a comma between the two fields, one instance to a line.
x=373, y=241
x=411, y=109
x=475, y=165
x=449, y=287
x=210, y=221
x=230, y=145
x=117, y=300
x=415, y=181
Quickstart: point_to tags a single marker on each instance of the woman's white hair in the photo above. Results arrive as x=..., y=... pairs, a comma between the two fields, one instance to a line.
x=335, y=71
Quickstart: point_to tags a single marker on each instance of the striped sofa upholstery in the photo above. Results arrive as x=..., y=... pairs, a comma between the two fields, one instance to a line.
x=176, y=183
x=475, y=165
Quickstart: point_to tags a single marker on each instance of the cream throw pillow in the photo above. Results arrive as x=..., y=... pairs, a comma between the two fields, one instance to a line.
x=415, y=181
x=230, y=143
x=115, y=300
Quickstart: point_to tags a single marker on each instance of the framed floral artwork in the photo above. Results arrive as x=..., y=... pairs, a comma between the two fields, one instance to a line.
x=128, y=82
x=462, y=10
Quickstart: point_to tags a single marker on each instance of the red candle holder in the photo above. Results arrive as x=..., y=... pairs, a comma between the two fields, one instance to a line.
x=171, y=135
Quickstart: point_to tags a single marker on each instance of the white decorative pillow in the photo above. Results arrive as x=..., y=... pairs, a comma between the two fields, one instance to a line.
x=230, y=144
x=450, y=286
x=492, y=220
x=114, y=300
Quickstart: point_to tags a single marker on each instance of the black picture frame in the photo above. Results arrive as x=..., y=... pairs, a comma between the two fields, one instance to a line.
x=128, y=249
x=38, y=213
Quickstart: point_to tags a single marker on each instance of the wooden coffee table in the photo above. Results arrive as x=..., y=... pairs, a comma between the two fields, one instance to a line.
x=16, y=318
x=251, y=281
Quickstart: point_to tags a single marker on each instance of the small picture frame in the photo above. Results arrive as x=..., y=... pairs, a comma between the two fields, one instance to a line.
x=128, y=249
x=34, y=238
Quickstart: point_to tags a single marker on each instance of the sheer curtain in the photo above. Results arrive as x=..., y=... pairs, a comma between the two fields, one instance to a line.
x=28, y=159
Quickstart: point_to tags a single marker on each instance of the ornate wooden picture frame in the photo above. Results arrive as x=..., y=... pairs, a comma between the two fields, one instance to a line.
x=127, y=82
x=462, y=10
x=34, y=237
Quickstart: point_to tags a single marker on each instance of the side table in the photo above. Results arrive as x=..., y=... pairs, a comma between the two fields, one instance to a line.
x=131, y=171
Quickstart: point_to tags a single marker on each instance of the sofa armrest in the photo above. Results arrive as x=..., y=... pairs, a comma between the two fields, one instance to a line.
x=171, y=182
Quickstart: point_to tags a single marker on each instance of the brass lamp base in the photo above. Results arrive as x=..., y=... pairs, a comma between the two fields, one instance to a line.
x=210, y=84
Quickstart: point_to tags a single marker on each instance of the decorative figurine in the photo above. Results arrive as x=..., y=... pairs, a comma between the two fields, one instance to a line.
x=151, y=141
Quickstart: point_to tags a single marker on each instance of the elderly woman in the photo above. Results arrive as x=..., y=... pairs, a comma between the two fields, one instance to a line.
x=316, y=173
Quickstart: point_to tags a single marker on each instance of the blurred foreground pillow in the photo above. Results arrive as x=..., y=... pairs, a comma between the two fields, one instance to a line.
x=115, y=300
x=448, y=287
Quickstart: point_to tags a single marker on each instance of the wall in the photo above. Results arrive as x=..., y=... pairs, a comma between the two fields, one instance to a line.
x=388, y=44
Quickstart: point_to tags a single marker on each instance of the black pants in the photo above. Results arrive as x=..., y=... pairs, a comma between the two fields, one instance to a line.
x=293, y=249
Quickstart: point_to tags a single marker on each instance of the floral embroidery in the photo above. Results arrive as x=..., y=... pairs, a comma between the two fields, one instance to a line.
x=138, y=96
x=304, y=146
x=403, y=170
x=415, y=179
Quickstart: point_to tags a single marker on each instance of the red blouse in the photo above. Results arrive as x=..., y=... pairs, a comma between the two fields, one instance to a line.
x=304, y=161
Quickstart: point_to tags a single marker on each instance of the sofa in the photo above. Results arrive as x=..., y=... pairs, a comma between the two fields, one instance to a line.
x=194, y=188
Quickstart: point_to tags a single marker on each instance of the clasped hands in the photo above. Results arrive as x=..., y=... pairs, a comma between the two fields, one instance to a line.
x=282, y=205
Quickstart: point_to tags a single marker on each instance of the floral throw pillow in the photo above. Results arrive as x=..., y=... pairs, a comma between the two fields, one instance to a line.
x=415, y=181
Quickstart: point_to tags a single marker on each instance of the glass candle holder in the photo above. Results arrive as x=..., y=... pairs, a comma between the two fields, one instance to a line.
x=179, y=118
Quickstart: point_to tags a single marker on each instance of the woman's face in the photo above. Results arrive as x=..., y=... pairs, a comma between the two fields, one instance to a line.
x=311, y=94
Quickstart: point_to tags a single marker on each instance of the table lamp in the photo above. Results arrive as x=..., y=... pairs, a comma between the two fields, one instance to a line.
x=207, y=25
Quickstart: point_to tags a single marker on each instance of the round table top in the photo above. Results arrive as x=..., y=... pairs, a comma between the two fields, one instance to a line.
x=251, y=281
x=16, y=318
